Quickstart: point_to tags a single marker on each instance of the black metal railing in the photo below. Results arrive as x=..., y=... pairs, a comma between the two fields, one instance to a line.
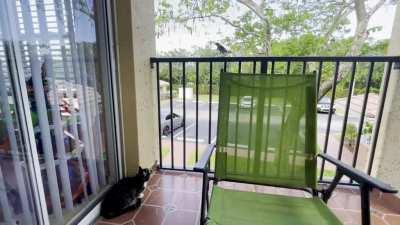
x=349, y=76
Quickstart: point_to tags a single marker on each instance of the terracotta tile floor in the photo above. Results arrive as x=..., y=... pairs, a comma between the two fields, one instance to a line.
x=173, y=198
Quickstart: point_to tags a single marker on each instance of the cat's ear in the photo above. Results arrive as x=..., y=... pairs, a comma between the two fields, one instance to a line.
x=140, y=170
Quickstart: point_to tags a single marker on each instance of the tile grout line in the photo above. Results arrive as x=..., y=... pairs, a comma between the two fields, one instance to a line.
x=180, y=184
x=166, y=214
x=144, y=200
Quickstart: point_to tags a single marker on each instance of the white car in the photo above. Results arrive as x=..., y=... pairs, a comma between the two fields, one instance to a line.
x=177, y=122
x=246, y=102
x=324, y=105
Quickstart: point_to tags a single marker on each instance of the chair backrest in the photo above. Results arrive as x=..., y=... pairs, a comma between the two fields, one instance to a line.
x=267, y=129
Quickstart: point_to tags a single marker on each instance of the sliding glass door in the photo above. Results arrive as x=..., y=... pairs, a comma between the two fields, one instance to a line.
x=16, y=186
x=55, y=78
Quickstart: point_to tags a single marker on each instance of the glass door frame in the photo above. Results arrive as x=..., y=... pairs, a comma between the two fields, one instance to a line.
x=17, y=74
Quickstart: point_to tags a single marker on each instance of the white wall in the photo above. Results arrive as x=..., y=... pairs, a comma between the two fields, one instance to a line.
x=135, y=44
x=387, y=159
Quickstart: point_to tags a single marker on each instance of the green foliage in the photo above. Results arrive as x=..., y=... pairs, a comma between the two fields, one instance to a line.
x=256, y=27
x=293, y=28
x=368, y=128
x=306, y=44
x=286, y=47
x=351, y=135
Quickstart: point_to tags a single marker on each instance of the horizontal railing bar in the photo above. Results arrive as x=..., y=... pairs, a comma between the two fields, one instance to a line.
x=189, y=169
x=354, y=184
x=279, y=58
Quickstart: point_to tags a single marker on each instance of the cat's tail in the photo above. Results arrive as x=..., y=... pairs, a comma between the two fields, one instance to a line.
x=107, y=213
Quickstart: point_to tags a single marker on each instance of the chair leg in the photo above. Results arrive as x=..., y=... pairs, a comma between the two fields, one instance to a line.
x=207, y=197
x=204, y=199
x=365, y=211
x=326, y=194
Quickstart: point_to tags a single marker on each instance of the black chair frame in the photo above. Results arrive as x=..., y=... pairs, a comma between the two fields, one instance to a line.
x=366, y=184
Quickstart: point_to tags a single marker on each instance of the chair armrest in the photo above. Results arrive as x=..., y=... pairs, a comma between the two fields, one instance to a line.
x=201, y=165
x=358, y=176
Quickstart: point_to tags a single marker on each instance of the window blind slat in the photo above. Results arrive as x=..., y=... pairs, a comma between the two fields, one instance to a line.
x=86, y=118
x=99, y=149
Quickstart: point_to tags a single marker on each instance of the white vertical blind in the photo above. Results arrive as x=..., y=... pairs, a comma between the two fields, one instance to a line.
x=55, y=111
x=86, y=119
x=40, y=101
x=95, y=115
x=69, y=85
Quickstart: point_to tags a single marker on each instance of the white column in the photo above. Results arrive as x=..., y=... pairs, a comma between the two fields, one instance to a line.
x=387, y=157
x=145, y=82
x=137, y=83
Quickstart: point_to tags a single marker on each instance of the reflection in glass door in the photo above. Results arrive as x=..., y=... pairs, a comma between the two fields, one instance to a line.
x=63, y=61
x=15, y=188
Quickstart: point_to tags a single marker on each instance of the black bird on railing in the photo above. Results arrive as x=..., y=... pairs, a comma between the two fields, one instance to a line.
x=222, y=48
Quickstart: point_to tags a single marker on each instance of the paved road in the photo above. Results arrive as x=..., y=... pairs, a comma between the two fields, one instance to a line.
x=203, y=121
x=203, y=139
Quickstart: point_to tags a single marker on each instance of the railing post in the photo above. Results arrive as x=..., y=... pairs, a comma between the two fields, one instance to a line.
x=397, y=66
x=159, y=115
x=264, y=67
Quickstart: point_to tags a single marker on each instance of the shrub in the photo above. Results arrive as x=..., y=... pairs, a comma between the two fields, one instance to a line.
x=351, y=135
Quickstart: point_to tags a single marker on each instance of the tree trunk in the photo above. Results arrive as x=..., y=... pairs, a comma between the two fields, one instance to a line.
x=258, y=10
x=268, y=44
x=360, y=36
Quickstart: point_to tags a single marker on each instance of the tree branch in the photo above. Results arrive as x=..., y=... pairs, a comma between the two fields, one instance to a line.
x=221, y=17
x=361, y=12
x=230, y=23
x=83, y=7
x=257, y=9
x=376, y=7
x=360, y=36
x=344, y=11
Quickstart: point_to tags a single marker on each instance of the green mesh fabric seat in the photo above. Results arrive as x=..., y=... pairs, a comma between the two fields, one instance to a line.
x=239, y=208
x=267, y=135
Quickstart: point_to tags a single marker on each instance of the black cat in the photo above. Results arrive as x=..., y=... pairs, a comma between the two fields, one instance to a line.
x=125, y=195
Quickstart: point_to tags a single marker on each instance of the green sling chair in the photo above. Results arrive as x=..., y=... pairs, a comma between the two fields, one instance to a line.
x=267, y=135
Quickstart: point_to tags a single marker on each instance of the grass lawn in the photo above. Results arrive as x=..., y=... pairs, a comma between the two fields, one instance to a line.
x=329, y=173
x=165, y=152
x=191, y=159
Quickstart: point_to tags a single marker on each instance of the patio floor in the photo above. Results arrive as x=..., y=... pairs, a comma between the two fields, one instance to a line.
x=173, y=198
